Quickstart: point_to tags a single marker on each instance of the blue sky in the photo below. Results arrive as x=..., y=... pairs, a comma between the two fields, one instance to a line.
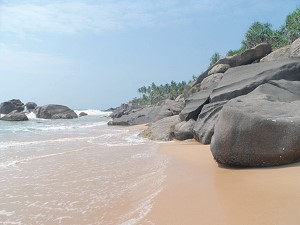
x=96, y=54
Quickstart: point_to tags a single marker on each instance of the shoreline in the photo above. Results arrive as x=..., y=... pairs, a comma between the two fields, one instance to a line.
x=198, y=191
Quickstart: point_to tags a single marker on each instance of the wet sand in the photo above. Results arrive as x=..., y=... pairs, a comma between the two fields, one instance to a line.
x=198, y=191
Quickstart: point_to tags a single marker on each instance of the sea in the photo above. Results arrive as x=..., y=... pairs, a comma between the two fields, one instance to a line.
x=79, y=171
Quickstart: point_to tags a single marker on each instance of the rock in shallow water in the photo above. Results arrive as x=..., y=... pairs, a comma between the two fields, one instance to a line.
x=54, y=112
x=15, y=116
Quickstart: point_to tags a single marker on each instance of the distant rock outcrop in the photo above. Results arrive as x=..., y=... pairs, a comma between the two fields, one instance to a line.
x=14, y=116
x=30, y=106
x=261, y=128
x=81, y=114
x=11, y=105
x=149, y=114
x=54, y=112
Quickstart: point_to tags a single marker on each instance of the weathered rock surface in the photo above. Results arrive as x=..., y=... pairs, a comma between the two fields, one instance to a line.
x=184, y=130
x=204, y=126
x=125, y=109
x=278, y=54
x=244, y=79
x=142, y=116
x=149, y=114
x=161, y=130
x=289, y=51
x=295, y=49
x=247, y=57
x=54, y=112
x=261, y=128
x=194, y=104
x=11, y=105
x=211, y=81
x=30, y=106
x=219, y=68
x=14, y=116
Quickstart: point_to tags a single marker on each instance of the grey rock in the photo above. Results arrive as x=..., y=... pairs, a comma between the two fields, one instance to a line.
x=194, y=104
x=219, y=68
x=211, y=81
x=261, y=128
x=289, y=51
x=247, y=57
x=184, y=130
x=30, y=106
x=54, y=112
x=81, y=114
x=204, y=126
x=14, y=116
x=142, y=116
x=244, y=79
x=278, y=54
x=170, y=108
x=11, y=105
x=161, y=130
x=125, y=109
x=295, y=49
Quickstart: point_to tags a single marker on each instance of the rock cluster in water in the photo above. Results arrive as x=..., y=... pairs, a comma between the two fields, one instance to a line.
x=14, y=110
x=246, y=106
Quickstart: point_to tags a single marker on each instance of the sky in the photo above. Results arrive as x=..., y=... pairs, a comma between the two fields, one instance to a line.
x=93, y=54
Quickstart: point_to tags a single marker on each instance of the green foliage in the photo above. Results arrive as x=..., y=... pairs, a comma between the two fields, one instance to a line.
x=214, y=58
x=256, y=34
x=292, y=25
x=153, y=94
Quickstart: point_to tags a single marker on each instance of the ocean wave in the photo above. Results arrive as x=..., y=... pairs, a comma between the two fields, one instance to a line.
x=93, y=112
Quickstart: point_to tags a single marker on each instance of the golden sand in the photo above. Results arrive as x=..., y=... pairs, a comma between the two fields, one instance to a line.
x=198, y=191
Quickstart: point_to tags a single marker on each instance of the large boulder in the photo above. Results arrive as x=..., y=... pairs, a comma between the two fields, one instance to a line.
x=11, y=105
x=54, y=112
x=161, y=130
x=248, y=56
x=30, y=106
x=261, y=128
x=244, y=79
x=184, y=130
x=14, y=116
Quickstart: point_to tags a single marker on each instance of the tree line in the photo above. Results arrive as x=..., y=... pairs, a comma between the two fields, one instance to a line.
x=154, y=94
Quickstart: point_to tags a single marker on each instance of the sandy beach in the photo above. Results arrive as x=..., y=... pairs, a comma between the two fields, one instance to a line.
x=198, y=191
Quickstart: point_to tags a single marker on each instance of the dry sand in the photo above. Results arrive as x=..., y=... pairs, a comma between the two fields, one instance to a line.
x=198, y=191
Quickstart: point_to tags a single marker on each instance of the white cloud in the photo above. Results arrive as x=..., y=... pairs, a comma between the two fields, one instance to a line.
x=29, y=17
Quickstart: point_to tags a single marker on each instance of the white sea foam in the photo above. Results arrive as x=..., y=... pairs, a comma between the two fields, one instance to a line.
x=93, y=112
